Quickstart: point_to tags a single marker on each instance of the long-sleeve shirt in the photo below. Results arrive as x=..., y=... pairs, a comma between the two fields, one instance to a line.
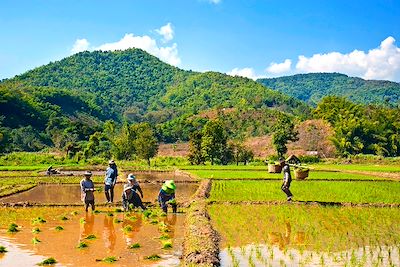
x=110, y=177
x=287, y=178
x=87, y=188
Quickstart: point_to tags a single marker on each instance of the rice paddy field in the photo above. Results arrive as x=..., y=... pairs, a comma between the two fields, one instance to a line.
x=341, y=215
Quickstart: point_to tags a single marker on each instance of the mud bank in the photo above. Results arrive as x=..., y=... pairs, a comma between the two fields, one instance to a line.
x=201, y=241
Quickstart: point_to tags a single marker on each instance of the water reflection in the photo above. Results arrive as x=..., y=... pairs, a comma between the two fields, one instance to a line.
x=109, y=236
x=282, y=240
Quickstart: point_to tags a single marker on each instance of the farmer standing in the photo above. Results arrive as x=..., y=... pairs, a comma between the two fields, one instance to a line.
x=167, y=196
x=130, y=196
x=87, y=189
x=110, y=180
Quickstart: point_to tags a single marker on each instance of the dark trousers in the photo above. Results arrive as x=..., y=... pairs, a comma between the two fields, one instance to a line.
x=89, y=202
x=285, y=188
x=135, y=200
x=162, y=199
x=109, y=191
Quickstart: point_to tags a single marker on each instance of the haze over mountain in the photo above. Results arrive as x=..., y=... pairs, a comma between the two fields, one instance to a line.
x=312, y=87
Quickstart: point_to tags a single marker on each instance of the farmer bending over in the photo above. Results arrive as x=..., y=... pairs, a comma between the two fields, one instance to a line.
x=110, y=180
x=130, y=197
x=87, y=189
x=167, y=196
x=287, y=178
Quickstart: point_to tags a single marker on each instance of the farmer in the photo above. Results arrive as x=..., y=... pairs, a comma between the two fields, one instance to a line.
x=130, y=196
x=87, y=189
x=287, y=178
x=110, y=180
x=167, y=196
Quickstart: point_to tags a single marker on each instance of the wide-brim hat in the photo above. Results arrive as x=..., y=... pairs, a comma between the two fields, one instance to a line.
x=170, y=184
x=131, y=177
x=111, y=162
x=88, y=173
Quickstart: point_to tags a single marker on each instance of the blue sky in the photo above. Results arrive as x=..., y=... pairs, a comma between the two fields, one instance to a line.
x=250, y=38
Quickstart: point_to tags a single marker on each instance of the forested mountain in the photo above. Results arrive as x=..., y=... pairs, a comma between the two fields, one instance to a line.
x=68, y=100
x=313, y=87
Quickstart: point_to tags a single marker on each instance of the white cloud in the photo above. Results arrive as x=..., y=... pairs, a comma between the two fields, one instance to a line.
x=80, y=45
x=166, y=32
x=245, y=72
x=167, y=54
x=382, y=63
x=278, y=68
x=214, y=1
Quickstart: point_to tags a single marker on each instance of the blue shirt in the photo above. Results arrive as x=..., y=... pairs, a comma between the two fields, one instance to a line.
x=110, y=178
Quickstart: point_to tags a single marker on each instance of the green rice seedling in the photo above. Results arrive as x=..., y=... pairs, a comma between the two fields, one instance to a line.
x=63, y=218
x=153, y=257
x=91, y=237
x=127, y=229
x=147, y=213
x=110, y=214
x=12, y=228
x=99, y=189
x=73, y=213
x=154, y=221
x=82, y=220
x=35, y=230
x=38, y=220
x=166, y=244
x=119, y=210
x=35, y=240
x=96, y=211
x=164, y=236
x=3, y=249
x=49, y=261
x=82, y=245
x=117, y=220
x=135, y=245
x=110, y=259
x=59, y=228
x=132, y=218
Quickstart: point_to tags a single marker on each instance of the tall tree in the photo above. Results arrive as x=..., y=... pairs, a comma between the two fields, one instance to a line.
x=214, y=141
x=145, y=143
x=283, y=132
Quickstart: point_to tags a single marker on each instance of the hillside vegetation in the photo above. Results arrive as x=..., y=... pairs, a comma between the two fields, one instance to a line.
x=312, y=87
x=69, y=100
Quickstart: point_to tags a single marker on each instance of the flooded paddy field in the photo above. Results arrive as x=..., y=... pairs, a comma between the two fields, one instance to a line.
x=76, y=238
x=301, y=235
x=71, y=194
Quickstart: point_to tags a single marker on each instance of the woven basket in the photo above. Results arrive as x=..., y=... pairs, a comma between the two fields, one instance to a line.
x=274, y=168
x=301, y=174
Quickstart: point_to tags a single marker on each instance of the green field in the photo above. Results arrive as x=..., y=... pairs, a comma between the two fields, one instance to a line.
x=263, y=174
x=358, y=167
x=320, y=228
x=323, y=191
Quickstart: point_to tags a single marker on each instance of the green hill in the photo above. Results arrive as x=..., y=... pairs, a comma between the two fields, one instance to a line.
x=71, y=98
x=312, y=87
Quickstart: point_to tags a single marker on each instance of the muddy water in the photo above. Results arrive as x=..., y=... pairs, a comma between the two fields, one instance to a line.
x=110, y=240
x=140, y=175
x=71, y=194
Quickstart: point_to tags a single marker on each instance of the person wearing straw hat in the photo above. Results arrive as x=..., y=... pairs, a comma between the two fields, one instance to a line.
x=167, y=196
x=87, y=189
x=130, y=197
x=110, y=180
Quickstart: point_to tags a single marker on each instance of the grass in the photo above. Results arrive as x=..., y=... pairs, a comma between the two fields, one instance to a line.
x=91, y=237
x=6, y=190
x=12, y=228
x=110, y=259
x=166, y=244
x=49, y=261
x=323, y=191
x=35, y=240
x=153, y=257
x=82, y=245
x=257, y=174
x=35, y=230
x=312, y=227
x=134, y=246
